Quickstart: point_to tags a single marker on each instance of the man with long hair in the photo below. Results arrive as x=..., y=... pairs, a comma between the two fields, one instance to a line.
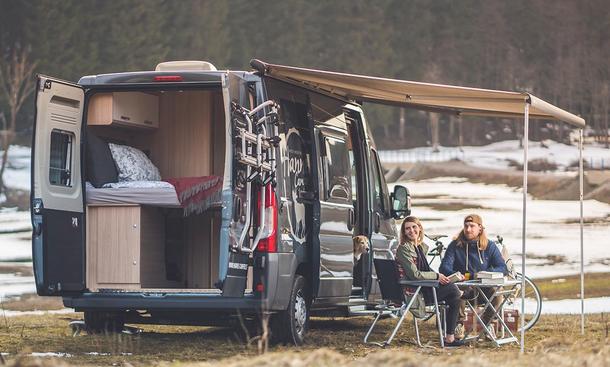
x=469, y=253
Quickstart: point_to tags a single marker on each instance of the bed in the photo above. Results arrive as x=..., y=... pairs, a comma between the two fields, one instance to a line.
x=197, y=196
x=163, y=196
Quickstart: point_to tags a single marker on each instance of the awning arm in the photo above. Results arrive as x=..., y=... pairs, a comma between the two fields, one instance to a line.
x=556, y=112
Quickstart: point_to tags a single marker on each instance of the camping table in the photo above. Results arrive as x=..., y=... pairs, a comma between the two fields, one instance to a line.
x=499, y=290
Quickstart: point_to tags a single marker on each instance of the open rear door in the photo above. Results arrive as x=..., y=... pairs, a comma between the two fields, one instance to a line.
x=236, y=95
x=58, y=239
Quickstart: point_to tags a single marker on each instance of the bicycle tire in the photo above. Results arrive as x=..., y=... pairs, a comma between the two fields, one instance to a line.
x=532, y=292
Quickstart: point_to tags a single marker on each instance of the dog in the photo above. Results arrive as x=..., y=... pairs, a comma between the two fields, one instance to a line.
x=361, y=245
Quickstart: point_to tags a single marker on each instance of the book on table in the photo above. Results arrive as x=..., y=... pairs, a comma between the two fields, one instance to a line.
x=490, y=275
x=492, y=280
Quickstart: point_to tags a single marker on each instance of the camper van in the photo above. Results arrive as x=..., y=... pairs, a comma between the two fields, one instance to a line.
x=190, y=195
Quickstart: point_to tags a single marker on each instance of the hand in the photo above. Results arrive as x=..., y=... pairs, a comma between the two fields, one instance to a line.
x=443, y=279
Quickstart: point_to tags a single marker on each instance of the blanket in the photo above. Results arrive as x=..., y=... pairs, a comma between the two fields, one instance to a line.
x=196, y=194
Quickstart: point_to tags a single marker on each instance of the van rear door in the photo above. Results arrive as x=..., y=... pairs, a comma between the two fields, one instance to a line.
x=57, y=205
x=238, y=215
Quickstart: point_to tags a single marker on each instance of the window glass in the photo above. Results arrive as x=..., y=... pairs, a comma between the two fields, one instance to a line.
x=60, y=162
x=378, y=194
x=337, y=171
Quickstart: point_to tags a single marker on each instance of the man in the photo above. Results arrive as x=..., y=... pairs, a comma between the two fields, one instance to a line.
x=469, y=253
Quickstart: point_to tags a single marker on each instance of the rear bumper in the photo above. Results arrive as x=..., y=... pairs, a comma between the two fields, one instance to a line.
x=161, y=301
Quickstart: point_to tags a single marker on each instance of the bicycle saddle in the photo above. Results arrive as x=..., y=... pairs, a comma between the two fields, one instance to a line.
x=436, y=237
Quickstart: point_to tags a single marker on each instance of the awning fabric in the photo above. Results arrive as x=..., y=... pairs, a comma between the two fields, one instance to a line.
x=417, y=95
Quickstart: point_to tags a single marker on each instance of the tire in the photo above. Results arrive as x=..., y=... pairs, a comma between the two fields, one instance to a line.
x=290, y=326
x=532, y=293
x=98, y=322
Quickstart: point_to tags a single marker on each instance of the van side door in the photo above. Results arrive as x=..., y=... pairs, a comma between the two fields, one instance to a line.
x=383, y=232
x=336, y=214
x=57, y=204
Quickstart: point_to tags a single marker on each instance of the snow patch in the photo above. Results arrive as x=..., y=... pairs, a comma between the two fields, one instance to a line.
x=498, y=155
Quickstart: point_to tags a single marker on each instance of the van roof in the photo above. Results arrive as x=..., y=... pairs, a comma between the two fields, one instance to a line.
x=156, y=77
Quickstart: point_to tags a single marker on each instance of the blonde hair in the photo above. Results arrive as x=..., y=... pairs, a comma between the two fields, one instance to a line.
x=403, y=236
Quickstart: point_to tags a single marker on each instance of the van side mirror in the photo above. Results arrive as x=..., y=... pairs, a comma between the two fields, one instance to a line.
x=401, y=202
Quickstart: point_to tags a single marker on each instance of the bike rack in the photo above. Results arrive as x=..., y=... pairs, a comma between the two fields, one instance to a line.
x=257, y=153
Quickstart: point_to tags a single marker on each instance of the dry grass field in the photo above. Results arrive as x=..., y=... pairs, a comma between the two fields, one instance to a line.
x=555, y=340
x=335, y=342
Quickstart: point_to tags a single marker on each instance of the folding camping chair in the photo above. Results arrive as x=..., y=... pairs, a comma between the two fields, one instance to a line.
x=392, y=292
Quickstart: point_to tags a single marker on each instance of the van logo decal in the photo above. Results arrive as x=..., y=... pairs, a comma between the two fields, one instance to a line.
x=295, y=165
x=238, y=266
x=74, y=222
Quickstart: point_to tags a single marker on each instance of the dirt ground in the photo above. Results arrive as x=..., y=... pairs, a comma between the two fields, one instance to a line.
x=331, y=342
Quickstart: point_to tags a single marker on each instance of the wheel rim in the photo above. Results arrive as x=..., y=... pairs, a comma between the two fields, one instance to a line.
x=300, y=313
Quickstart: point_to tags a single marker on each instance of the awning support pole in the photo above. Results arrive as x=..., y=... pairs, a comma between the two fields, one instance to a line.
x=523, y=233
x=582, y=258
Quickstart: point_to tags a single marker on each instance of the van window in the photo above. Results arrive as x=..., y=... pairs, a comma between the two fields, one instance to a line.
x=379, y=202
x=336, y=168
x=60, y=158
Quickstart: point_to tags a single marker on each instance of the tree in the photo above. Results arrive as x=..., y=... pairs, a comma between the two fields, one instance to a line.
x=15, y=85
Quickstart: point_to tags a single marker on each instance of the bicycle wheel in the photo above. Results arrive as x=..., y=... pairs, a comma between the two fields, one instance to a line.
x=533, y=302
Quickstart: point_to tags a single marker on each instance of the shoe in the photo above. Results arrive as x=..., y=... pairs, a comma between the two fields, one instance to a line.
x=455, y=343
x=459, y=331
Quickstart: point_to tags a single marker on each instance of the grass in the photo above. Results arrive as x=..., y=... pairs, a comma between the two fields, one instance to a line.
x=331, y=342
x=596, y=285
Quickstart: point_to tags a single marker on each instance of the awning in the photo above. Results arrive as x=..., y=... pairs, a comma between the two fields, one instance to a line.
x=417, y=95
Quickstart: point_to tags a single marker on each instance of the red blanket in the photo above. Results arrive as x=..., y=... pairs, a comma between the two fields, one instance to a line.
x=196, y=194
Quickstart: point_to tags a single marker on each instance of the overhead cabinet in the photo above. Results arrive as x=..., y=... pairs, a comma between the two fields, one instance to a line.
x=128, y=109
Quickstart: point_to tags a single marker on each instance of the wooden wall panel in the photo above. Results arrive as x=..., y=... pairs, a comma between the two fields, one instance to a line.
x=182, y=145
x=197, y=237
x=152, y=249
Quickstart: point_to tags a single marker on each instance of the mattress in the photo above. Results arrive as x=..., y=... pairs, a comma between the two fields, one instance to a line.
x=154, y=196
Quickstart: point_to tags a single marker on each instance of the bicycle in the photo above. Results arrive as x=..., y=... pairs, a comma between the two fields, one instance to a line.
x=532, y=293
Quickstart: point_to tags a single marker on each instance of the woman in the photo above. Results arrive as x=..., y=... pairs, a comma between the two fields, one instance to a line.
x=411, y=256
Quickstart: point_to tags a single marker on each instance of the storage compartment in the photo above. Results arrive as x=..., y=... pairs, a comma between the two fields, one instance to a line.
x=129, y=109
x=136, y=247
x=153, y=246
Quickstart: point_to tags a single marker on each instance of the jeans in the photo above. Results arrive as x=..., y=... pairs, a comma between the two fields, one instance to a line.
x=451, y=295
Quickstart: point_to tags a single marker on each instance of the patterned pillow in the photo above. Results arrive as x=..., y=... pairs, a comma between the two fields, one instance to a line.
x=133, y=164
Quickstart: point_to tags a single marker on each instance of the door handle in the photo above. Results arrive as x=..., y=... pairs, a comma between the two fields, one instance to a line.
x=350, y=219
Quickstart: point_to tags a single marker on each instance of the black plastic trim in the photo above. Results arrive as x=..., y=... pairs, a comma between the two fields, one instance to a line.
x=119, y=301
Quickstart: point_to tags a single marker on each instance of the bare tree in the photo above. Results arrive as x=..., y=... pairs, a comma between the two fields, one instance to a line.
x=15, y=85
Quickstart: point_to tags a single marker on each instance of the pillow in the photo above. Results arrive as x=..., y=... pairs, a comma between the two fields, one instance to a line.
x=100, y=164
x=133, y=164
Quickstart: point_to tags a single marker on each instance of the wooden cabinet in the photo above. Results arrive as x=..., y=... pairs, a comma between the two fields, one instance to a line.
x=125, y=247
x=128, y=109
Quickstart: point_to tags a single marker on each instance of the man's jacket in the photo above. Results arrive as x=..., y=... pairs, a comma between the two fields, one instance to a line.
x=456, y=258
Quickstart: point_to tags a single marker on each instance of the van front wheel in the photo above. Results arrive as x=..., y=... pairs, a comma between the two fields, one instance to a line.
x=290, y=326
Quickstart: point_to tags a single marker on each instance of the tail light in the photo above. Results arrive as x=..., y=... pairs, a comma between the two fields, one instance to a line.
x=168, y=78
x=268, y=241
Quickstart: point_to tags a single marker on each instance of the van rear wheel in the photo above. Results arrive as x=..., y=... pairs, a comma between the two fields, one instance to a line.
x=98, y=322
x=290, y=326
